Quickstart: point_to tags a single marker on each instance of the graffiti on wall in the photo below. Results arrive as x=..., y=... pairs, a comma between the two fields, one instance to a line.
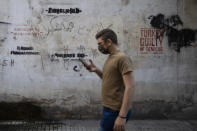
x=24, y=31
x=6, y=62
x=24, y=51
x=177, y=38
x=69, y=59
x=63, y=11
x=151, y=41
x=55, y=25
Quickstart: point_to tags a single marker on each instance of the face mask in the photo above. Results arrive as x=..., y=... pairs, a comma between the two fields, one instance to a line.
x=103, y=50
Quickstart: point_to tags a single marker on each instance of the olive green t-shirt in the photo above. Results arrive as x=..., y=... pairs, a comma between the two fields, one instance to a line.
x=116, y=65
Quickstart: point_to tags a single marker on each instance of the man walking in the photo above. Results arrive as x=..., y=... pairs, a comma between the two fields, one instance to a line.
x=117, y=82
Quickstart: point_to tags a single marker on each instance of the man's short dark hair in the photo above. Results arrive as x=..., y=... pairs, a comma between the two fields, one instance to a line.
x=107, y=34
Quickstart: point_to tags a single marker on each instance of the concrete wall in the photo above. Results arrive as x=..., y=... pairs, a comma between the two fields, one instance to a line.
x=37, y=81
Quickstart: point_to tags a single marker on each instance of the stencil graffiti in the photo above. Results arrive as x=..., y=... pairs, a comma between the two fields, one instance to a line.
x=64, y=11
x=68, y=57
x=24, y=51
x=24, y=48
x=71, y=55
x=177, y=38
x=151, y=41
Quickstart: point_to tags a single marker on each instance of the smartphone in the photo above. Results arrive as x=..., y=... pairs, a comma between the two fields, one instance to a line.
x=84, y=63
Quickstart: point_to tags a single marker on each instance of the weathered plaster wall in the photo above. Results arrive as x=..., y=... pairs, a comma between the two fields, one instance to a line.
x=39, y=48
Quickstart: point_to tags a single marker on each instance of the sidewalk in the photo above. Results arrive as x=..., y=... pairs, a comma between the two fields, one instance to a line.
x=93, y=125
x=139, y=125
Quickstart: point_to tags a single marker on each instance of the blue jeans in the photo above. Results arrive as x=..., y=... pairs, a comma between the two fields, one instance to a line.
x=108, y=118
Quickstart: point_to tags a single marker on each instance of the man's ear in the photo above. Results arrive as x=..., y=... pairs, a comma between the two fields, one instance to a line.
x=109, y=42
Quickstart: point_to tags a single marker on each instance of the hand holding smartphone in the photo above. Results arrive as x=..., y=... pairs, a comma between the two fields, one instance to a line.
x=84, y=63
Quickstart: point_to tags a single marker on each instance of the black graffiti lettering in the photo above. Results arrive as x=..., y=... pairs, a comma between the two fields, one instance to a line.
x=64, y=11
x=50, y=10
x=21, y=50
x=75, y=68
x=54, y=11
x=67, y=11
x=71, y=55
x=2, y=22
x=72, y=10
x=24, y=53
x=78, y=10
x=65, y=55
x=58, y=55
x=18, y=48
x=82, y=55
x=24, y=48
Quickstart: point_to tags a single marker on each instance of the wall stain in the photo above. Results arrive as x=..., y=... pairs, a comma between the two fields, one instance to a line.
x=177, y=38
x=79, y=112
x=125, y=2
x=3, y=39
x=20, y=111
x=39, y=102
x=151, y=109
x=160, y=109
x=69, y=98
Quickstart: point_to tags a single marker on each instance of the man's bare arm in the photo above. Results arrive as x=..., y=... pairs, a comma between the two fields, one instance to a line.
x=129, y=83
x=126, y=103
x=99, y=73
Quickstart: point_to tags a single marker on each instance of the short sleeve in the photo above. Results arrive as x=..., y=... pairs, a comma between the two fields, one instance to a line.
x=125, y=65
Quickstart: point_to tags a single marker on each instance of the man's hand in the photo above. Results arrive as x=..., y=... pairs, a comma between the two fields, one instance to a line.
x=91, y=67
x=119, y=124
